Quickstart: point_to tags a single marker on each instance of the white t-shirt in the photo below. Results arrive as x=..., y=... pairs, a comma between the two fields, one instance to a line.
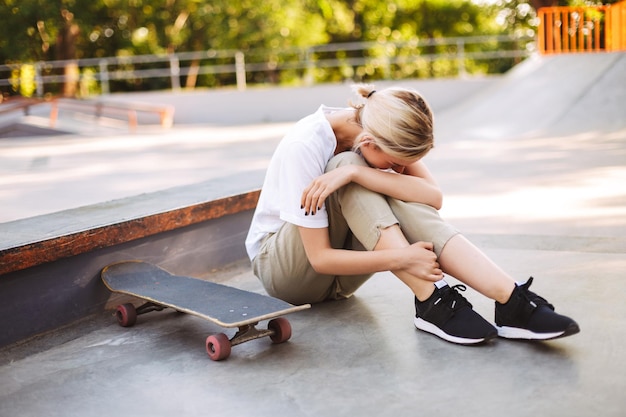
x=300, y=157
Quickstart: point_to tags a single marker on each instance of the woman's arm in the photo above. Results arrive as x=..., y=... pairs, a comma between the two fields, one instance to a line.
x=417, y=259
x=412, y=183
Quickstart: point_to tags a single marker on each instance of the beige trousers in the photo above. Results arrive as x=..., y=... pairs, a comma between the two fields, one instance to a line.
x=356, y=217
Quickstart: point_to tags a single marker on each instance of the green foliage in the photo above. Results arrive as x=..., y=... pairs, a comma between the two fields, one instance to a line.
x=132, y=27
x=271, y=31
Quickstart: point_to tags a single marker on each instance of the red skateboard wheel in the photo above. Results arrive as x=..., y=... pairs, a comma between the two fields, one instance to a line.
x=281, y=329
x=126, y=315
x=218, y=346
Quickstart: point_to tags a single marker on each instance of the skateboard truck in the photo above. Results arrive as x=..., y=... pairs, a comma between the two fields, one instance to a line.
x=126, y=314
x=218, y=346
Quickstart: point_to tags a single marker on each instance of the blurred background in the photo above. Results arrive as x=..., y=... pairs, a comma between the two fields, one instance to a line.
x=81, y=48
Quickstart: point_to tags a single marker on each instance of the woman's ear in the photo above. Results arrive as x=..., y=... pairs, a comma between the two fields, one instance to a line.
x=366, y=140
x=361, y=140
x=370, y=143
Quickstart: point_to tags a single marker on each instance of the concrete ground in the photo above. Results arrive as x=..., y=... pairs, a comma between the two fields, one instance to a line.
x=533, y=171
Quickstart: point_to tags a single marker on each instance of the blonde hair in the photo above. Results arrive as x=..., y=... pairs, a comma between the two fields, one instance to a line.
x=399, y=119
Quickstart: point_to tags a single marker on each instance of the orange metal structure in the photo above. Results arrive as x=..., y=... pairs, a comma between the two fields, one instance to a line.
x=582, y=29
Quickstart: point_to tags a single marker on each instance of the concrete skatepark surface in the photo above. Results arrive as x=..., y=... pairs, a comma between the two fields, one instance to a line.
x=533, y=167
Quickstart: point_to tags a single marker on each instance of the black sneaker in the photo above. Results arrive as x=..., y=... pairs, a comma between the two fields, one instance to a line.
x=447, y=314
x=528, y=316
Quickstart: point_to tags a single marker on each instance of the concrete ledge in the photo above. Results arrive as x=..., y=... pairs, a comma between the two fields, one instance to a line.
x=50, y=265
x=33, y=241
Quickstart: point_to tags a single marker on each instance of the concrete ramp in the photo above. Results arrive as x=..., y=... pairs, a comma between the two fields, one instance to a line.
x=541, y=151
x=544, y=95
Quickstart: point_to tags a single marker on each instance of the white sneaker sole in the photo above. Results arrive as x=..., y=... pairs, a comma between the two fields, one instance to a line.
x=426, y=326
x=517, y=333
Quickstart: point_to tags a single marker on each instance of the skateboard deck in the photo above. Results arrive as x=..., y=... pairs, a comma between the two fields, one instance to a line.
x=225, y=306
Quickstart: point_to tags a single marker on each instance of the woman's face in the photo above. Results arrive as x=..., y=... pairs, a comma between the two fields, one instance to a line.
x=376, y=158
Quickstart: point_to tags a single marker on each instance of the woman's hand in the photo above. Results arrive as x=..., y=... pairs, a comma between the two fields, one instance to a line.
x=421, y=262
x=315, y=194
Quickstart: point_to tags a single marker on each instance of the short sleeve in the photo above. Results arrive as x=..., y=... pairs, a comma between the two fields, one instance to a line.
x=301, y=165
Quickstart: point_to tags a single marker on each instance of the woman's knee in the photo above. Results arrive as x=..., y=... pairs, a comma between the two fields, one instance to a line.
x=345, y=158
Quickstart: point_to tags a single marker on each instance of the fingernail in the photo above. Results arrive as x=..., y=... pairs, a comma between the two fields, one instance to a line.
x=306, y=213
x=302, y=206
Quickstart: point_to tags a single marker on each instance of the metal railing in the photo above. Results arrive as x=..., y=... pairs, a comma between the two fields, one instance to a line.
x=582, y=29
x=358, y=60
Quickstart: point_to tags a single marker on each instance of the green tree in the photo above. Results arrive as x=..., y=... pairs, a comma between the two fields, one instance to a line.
x=28, y=31
x=271, y=31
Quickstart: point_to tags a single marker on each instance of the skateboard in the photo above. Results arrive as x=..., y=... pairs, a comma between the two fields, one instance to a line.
x=225, y=306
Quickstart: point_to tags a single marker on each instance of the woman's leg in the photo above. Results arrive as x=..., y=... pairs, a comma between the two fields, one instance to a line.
x=380, y=223
x=384, y=223
x=371, y=219
x=392, y=237
x=285, y=272
x=283, y=267
x=464, y=261
x=457, y=256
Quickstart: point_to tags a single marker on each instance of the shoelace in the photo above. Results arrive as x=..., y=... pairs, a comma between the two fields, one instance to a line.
x=534, y=299
x=453, y=297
